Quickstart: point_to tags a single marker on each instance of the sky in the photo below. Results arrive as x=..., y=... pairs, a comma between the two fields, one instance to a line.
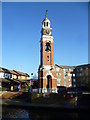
x=21, y=27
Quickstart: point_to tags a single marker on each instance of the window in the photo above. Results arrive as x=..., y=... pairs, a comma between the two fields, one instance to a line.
x=69, y=69
x=87, y=73
x=64, y=82
x=58, y=80
x=77, y=74
x=58, y=85
x=47, y=47
x=57, y=69
x=73, y=75
x=74, y=80
x=81, y=74
x=58, y=74
x=81, y=69
x=47, y=58
x=70, y=85
x=69, y=74
x=64, y=77
x=0, y=75
x=64, y=70
x=65, y=74
x=6, y=75
x=69, y=80
x=44, y=24
x=77, y=70
x=47, y=24
x=86, y=68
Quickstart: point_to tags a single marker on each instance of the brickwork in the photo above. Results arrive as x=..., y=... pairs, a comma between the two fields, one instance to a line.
x=47, y=74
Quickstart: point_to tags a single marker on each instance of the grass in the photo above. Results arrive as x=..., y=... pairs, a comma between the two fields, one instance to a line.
x=25, y=88
x=52, y=99
x=3, y=89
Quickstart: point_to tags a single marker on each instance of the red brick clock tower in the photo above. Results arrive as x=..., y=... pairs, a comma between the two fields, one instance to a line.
x=46, y=72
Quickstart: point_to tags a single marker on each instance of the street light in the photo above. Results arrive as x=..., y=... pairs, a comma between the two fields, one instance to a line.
x=31, y=77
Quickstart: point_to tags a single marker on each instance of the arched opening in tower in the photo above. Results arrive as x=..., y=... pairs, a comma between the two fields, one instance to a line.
x=47, y=47
x=49, y=81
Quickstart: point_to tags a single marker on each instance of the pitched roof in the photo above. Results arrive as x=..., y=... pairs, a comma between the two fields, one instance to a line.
x=1, y=70
x=4, y=70
x=84, y=65
x=65, y=66
x=21, y=73
x=58, y=65
x=13, y=72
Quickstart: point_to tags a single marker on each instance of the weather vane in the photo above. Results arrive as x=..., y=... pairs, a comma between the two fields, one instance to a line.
x=46, y=14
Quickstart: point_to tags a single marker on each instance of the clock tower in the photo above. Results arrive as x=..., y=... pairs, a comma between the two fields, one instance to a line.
x=46, y=71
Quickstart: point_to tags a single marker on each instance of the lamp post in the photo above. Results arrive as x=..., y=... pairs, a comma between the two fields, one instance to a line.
x=31, y=78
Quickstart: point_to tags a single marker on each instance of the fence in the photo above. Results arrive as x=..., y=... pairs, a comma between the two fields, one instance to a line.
x=45, y=90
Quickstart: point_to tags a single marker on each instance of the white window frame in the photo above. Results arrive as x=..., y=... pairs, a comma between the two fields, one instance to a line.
x=69, y=80
x=58, y=80
x=58, y=84
x=64, y=70
x=1, y=75
x=57, y=69
x=74, y=80
x=58, y=74
x=69, y=74
x=70, y=85
x=69, y=69
x=73, y=74
x=74, y=85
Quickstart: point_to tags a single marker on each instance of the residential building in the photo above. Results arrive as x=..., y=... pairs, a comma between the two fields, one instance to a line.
x=4, y=73
x=82, y=73
x=10, y=78
x=21, y=75
x=52, y=76
x=64, y=75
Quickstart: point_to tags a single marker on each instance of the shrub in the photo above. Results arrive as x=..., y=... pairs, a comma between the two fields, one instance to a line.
x=3, y=89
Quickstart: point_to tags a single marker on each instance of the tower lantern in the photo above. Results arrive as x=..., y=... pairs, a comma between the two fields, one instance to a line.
x=46, y=22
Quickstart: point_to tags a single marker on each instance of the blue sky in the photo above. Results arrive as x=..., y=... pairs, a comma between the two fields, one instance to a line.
x=21, y=26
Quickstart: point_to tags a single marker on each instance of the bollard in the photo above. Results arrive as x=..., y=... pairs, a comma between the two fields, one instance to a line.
x=76, y=99
x=64, y=96
x=71, y=95
x=68, y=97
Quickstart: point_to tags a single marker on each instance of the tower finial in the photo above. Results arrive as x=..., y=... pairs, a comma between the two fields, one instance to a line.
x=46, y=14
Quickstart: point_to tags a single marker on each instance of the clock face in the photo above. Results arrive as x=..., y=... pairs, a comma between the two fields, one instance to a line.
x=47, y=31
